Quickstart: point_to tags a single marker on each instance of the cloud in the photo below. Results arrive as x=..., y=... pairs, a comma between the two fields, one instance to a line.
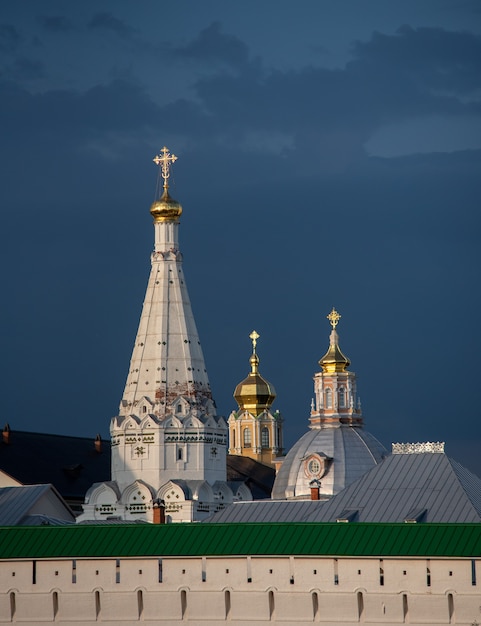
x=9, y=38
x=212, y=45
x=432, y=59
x=55, y=23
x=107, y=21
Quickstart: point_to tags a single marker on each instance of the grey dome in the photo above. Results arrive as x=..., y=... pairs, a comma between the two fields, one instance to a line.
x=341, y=454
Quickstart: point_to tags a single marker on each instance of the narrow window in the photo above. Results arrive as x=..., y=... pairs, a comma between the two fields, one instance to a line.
x=247, y=437
x=265, y=438
x=144, y=409
x=117, y=570
x=428, y=577
x=451, y=608
x=74, y=571
x=160, y=570
x=473, y=572
x=97, y=605
x=34, y=572
x=233, y=438
x=183, y=603
x=227, y=604
x=13, y=605
x=204, y=569
x=405, y=608
x=271, y=605
x=342, y=398
x=179, y=408
x=315, y=606
x=328, y=402
x=381, y=573
x=360, y=606
x=179, y=454
x=140, y=603
x=336, y=573
x=55, y=605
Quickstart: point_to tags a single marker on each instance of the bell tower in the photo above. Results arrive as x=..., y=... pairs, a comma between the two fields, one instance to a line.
x=255, y=431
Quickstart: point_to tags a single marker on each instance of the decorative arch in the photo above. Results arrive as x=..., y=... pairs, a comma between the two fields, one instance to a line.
x=171, y=493
x=243, y=493
x=137, y=500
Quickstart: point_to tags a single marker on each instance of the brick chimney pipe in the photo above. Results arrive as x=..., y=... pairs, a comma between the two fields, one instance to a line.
x=159, y=512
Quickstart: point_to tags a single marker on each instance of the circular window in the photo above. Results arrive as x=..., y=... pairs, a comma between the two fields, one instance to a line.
x=314, y=467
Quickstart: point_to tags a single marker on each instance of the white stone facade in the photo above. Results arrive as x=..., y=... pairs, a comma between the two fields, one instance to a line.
x=167, y=430
x=241, y=590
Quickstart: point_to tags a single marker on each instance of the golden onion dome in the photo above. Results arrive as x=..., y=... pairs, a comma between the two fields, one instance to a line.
x=334, y=360
x=254, y=394
x=166, y=209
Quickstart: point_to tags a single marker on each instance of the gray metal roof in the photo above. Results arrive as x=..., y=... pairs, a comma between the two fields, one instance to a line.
x=20, y=505
x=404, y=487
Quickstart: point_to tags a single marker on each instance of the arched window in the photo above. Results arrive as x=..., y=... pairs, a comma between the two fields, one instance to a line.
x=451, y=608
x=179, y=408
x=247, y=438
x=13, y=605
x=360, y=606
x=144, y=409
x=140, y=603
x=183, y=603
x=342, y=398
x=179, y=454
x=97, y=605
x=271, y=605
x=227, y=604
x=315, y=606
x=328, y=394
x=55, y=605
x=265, y=437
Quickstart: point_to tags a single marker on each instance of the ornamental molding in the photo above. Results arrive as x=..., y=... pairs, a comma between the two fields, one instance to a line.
x=418, y=448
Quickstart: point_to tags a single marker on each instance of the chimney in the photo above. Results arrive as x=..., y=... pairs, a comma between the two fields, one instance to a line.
x=98, y=444
x=159, y=511
x=315, y=485
x=6, y=434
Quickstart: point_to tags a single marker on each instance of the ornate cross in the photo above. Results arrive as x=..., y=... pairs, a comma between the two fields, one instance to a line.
x=334, y=317
x=254, y=336
x=165, y=160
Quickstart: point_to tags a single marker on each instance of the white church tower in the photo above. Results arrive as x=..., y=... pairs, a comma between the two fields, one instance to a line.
x=168, y=445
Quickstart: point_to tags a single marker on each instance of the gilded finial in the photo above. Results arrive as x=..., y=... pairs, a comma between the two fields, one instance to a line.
x=165, y=160
x=254, y=336
x=334, y=317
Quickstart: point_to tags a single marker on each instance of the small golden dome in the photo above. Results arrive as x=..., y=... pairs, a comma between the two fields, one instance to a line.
x=254, y=394
x=166, y=209
x=334, y=360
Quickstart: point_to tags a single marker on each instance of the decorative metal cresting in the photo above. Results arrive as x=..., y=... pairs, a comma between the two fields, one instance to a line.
x=436, y=447
x=165, y=160
x=334, y=317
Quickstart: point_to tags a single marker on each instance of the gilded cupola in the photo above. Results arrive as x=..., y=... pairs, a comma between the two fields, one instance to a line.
x=254, y=394
x=165, y=209
x=334, y=360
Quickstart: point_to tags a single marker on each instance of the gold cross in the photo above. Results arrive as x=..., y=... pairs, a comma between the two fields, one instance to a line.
x=165, y=161
x=254, y=336
x=334, y=317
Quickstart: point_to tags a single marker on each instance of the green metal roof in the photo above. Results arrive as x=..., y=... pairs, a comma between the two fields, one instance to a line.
x=302, y=539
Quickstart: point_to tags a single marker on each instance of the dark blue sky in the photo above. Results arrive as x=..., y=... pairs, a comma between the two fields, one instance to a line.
x=329, y=155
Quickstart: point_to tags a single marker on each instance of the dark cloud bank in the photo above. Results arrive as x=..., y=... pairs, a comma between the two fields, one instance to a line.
x=284, y=216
